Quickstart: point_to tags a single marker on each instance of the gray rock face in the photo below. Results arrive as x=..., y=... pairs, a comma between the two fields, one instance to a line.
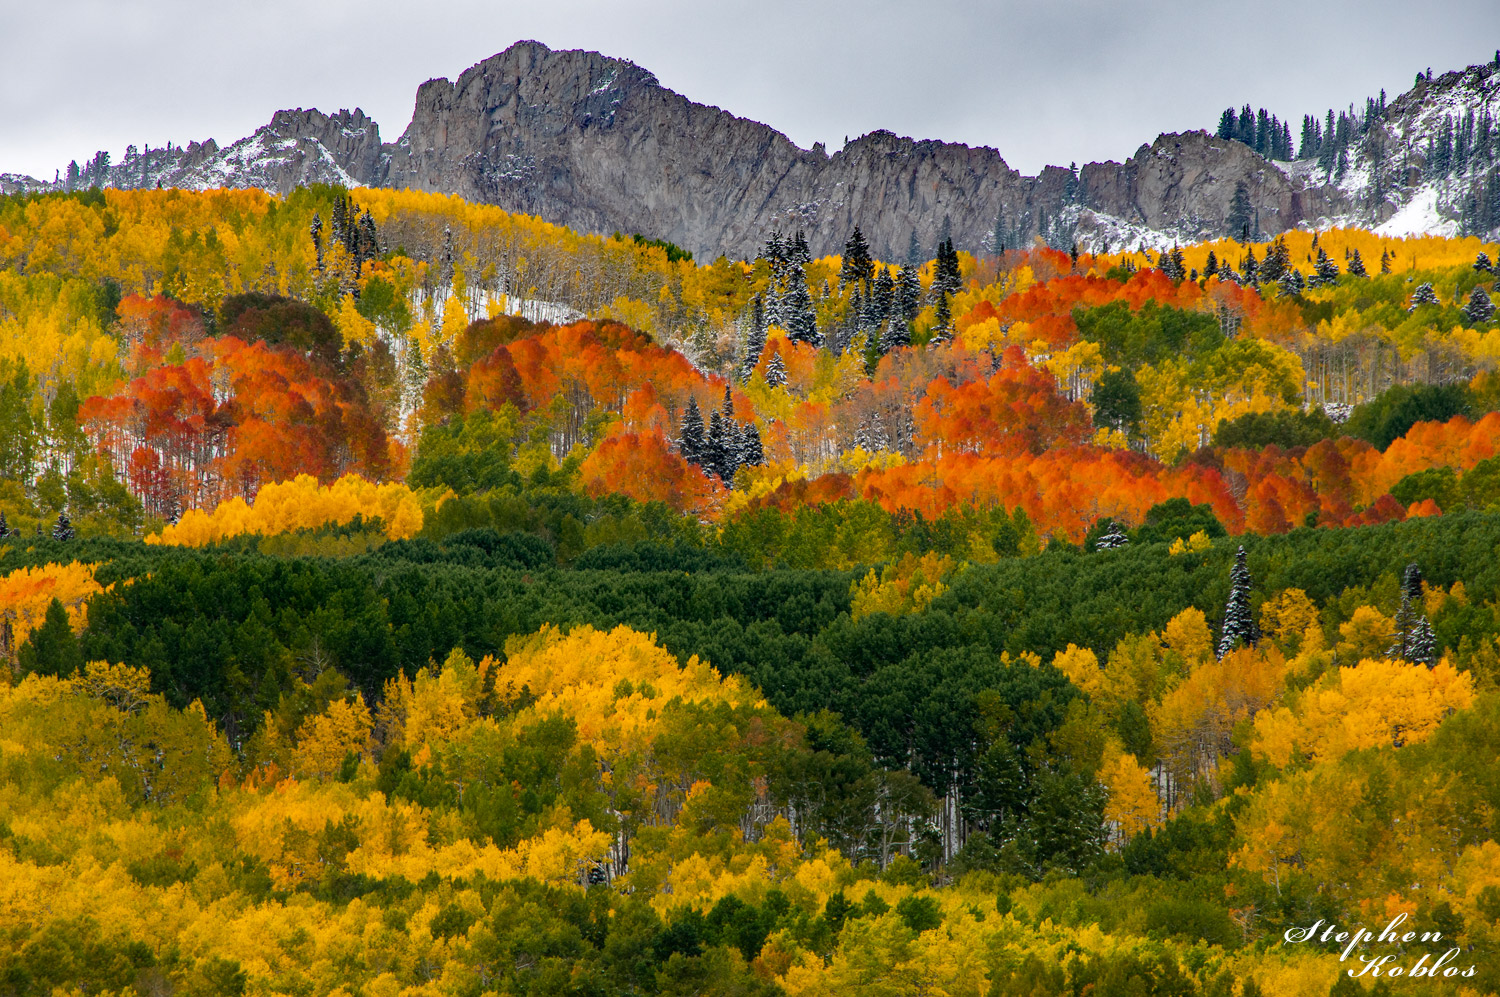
x=599, y=145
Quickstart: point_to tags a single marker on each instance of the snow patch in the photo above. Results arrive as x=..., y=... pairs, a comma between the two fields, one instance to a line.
x=1419, y=216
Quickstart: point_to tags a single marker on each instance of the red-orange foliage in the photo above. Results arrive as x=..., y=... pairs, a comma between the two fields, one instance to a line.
x=643, y=467
x=226, y=420
x=1017, y=410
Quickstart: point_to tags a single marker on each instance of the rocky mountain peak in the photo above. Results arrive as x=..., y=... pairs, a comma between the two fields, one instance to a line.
x=596, y=143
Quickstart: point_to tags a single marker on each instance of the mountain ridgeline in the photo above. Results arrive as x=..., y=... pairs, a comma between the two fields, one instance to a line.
x=597, y=144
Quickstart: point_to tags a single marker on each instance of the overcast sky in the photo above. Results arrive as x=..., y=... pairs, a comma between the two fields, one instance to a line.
x=1049, y=81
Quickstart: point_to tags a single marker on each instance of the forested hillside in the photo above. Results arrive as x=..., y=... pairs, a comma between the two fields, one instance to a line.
x=399, y=596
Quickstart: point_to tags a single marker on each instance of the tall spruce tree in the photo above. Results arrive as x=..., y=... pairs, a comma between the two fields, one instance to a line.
x=883, y=300
x=755, y=339
x=1414, y=640
x=857, y=267
x=775, y=371
x=1480, y=309
x=801, y=322
x=750, y=447
x=1238, y=219
x=1239, y=622
x=692, y=443
x=1227, y=124
x=53, y=648
x=946, y=278
x=908, y=300
x=1325, y=271
x=715, y=453
x=1357, y=266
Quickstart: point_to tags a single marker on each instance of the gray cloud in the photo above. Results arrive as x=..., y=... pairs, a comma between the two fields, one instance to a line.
x=1044, y=82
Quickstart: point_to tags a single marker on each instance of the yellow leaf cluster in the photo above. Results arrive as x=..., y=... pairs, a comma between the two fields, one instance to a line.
x=1195, y=544
x=300, y=504
x=613, y=683
x=26, y=593
x=907, y=586
x=1376, y=702
x=1133, y=805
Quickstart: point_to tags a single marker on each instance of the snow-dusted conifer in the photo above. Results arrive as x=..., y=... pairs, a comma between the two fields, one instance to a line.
x=1357, y=266
x=1325, y=271
x=63, y=528
x=1423, y=295
x=1482, y=263
x=775, y=370
x=1239, y=623
x=715, y=452
x=755, y=340
x=908, y=300
x=801, y=322
x=857, y=266
x=1480, y=308
x=1173, y=266
x=1251, y=268
x=1414, y=640
x=1112, y=538
x=1423, y=646
x=750, y=448
x=692, y=443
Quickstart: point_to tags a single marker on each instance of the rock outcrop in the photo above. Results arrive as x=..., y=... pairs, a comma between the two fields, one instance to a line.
x=598, y=144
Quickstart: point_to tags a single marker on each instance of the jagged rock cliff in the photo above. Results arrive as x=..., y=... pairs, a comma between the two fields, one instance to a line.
x=598, y=144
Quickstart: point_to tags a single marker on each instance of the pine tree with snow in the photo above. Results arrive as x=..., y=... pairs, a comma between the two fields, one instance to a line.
x=897, y=334
x=1423, y=645
x=775, y=371
x=798, y=253
x=1325, y=271
x=1357, y=266
x=1482, y=263
x=1413, y=640
x=1480, y=309
x=1423, y=295
x=942, y=326
x=1211, y=265
x=1250, y=269
x=63, y=528
x=883, y=300
x=755, y=340
x=1274, y=266
x=1385, y=261
x=1239, y=623
x=1112, y=538
x=1172, y=265
x=715, y=451
x=692, y=444
x=801, y=322
x=750, y=449
x=908, y=300
x=4, y=527
x=1292, y=283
